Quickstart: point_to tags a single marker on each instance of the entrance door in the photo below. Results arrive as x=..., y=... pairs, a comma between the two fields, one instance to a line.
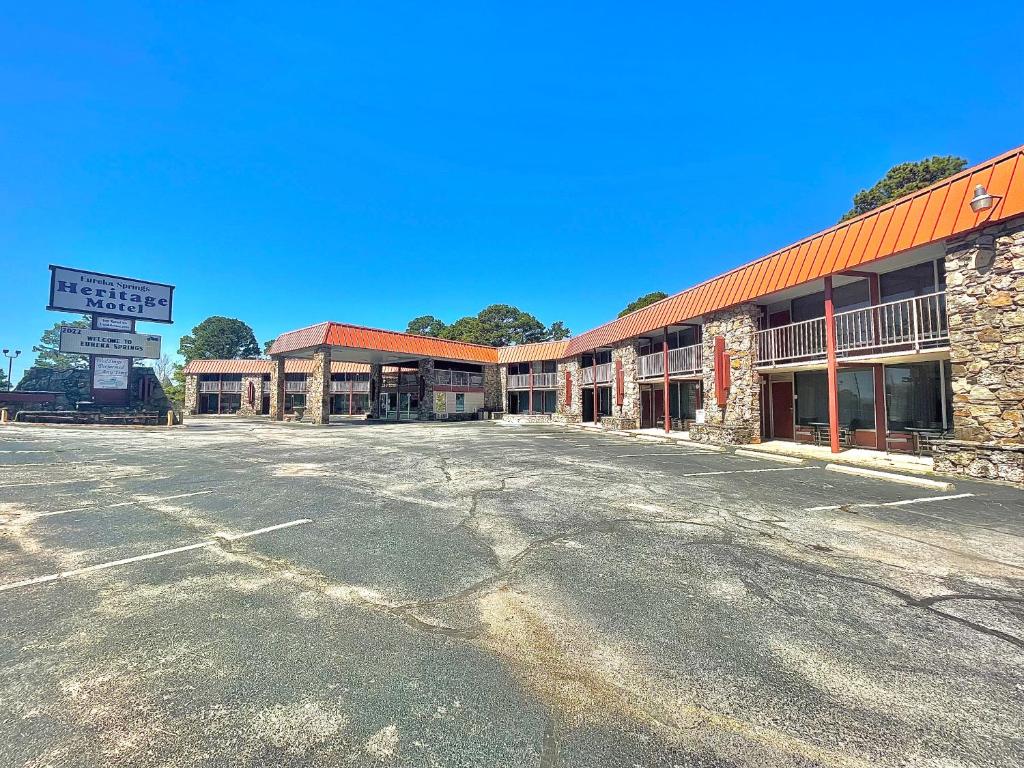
x=588, y=404
x=646, y=407
x=782, y=409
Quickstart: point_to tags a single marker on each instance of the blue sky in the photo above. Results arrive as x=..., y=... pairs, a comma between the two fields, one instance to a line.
x=286, y=164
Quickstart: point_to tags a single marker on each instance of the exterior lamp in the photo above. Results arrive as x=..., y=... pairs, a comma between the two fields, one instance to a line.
x=982, y=200
x=10, y=363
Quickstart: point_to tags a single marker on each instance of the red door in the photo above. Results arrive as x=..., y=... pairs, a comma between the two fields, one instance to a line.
x=782, y=409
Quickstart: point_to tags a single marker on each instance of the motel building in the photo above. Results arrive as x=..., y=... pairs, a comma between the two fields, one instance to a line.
x=901, y=330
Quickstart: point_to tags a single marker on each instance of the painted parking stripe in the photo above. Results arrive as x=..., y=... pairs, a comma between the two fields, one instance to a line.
x=139, y=558
x=901, y=503
x=745, y=471
x=140, y=500
x=258, y=531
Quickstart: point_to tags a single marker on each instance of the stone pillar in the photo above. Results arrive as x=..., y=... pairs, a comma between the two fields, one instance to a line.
x=737, y=421
x=246, y=408
x=494, y=387
x=570, y=413
x=318, y=388
x=376, y=382
x=425, y=380
x=191, y=404
x=985, y=311
x=277, y=388
x=627, y=415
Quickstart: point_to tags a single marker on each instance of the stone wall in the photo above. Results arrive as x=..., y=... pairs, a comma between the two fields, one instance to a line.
x=572, y=413
x=191, y=403
x=985, y=309
x=737, y=421
x=376, y=384
x=494, y=387
x=502, y=384
x=277, y=388
x=73, y=386
x=627, y=415
x=253, y=409
x=989, y=461
x=426, y=379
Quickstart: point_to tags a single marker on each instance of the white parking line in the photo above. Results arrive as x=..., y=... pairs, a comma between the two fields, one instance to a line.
x=745, y=471
x=53, y=482
x=141, y=500
x=149, y=556
x=901, y=503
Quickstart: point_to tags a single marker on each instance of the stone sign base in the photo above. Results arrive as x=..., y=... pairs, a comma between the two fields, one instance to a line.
x=619, y=422
x=986, y=461
x=725, y=434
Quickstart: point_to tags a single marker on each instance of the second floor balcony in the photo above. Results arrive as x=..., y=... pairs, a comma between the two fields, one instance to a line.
x=445, y=378
x=603, y=372
x=900, y=327
x=344, y=387
x=547, y=380
x=682, y=361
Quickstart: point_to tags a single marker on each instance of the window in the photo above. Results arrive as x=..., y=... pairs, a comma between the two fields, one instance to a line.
x=460, y=402
x=811, y=397
x=857, y=399
x=918, y=280
x=604, y=396
x=549, y=366
x=850, y=296
x=919, y=396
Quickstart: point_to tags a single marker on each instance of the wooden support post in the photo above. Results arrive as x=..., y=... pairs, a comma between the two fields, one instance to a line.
x=597, y=400
x=665, y=397
x=833, y=368
x=530, y=406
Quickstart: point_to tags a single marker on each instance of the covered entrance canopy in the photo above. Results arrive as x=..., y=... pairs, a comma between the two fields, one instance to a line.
x=377, y=348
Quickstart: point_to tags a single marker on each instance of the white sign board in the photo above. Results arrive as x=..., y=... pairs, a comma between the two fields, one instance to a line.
x=85, y=341
x=698, y=416
x=110, y=373
x=113, y=323
x=75, y=290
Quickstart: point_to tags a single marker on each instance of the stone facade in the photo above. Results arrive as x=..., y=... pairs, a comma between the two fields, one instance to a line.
x=738, y=420
x=376, y=384
x=191, y=404
x=425, y=379
x=318, y=388
x=277, y=388
x=570, y=413
x=70, y=386
x=494, y=387
x=627, y=415
x=985, y=310
x=255, y=381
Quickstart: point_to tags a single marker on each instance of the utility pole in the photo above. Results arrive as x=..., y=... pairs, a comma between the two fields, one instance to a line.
x=10, y=365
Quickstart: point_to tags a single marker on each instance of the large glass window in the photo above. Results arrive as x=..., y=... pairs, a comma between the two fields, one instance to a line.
x=811, y=397
x=919, y=395
x=460, y=402
x=850, y=296
x=905, y=283
x=549, y=366
x=857, y=399
x=604, y=401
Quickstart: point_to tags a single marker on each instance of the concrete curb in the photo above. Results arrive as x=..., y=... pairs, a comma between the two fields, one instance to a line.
x=921, y=482
x=769, y=456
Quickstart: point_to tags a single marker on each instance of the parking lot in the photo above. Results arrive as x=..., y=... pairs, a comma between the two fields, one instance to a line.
x=243, y=593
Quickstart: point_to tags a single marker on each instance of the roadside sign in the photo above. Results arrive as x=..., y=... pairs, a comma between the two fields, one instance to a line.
x=86, y=341
x=110, y=372
x=77, y=290
x=114, y=323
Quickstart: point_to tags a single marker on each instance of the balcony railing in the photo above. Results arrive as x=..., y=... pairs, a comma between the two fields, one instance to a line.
x=547, y=380
x=603, y=371
x=906, y=325
x=295, y=387
x=344, y=387
x=220, y=386
x=231, y=386
x=685, y=361
x=448, y=378
x=267, y=388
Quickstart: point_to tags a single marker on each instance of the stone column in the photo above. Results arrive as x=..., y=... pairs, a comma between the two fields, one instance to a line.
x=376, y=381
x=571, y=413
x=318, y=388
x=737, y=421
x=246, y=408
x=494, y=387
x=985, y=312
x=425, y=380
x=277, y=388
x=191, y=404
x=627, y=415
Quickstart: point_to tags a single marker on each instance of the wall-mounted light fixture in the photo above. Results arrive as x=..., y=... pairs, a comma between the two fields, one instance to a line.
x=982, y=200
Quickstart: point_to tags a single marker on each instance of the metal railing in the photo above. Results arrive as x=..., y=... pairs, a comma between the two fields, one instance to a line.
x=795, y=342
x=603, y=371
x=295, y=386
x=547, y=380
x=344, y=387
x=209, y=386
x=907, y=325
x=231, y=386
x=444, y=377
x=267, y=388
x=681, y=361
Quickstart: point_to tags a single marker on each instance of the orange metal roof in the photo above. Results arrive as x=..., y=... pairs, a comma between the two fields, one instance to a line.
x=359, y=337
x=291, y=365
x=525, y=353
x=926, y=216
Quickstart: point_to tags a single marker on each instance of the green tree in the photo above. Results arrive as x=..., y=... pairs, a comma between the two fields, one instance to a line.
x=643, y=301
x=903, y=179
x=48, y=354
x=4, y=384
x=267, y=345
x=425, y=325
x=174, y=387
x=219, y=338
x=557, y=331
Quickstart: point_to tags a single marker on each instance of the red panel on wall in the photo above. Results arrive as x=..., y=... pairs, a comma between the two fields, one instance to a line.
x=568, y=389
x=619, y=382
x=721, y=371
